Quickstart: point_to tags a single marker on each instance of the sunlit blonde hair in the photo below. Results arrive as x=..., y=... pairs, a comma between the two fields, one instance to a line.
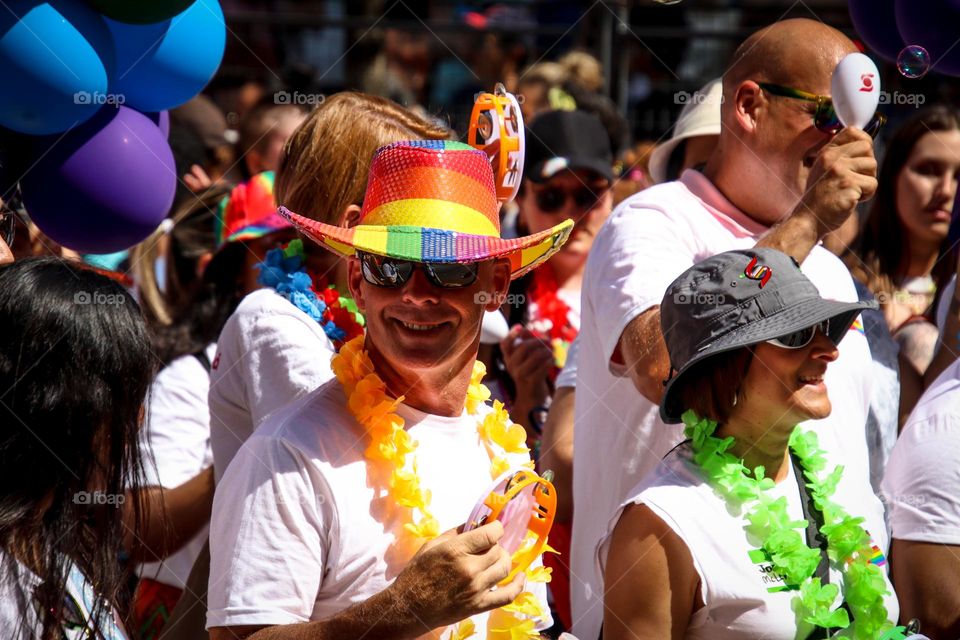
x=325, y=162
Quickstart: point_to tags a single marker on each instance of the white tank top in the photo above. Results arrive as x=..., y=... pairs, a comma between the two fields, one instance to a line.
x=743, y=596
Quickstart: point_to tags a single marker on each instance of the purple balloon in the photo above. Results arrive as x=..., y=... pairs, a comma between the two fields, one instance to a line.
x=876, y=24
x=105, y=185
x=162, y=120
x=932, y=24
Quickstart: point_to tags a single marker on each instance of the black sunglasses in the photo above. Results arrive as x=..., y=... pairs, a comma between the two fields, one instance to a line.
x=825, y=118
x=802, y=337
x=553, y=199
x=391, y=273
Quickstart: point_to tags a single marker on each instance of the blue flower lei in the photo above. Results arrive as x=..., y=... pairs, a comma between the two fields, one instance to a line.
x=283, y=271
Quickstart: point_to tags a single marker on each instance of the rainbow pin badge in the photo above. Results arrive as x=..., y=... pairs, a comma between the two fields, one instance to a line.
x=757, y=272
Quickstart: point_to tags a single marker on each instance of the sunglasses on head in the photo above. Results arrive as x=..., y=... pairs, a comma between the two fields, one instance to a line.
x=825, y=118
x=391, y=273
x=553, y=199
x=802, y=337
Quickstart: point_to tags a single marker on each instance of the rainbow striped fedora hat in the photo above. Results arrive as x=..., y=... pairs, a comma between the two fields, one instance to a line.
x=433, y=201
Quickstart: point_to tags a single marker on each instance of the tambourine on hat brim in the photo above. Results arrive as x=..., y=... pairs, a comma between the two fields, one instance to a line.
x=424, y=244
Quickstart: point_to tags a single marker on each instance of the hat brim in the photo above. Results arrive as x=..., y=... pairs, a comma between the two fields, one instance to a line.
x=657, y=165
x=424, y=244
x=601, y=168
x=843, y=314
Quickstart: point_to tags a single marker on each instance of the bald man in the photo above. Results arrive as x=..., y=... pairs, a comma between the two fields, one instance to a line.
x=774, y=180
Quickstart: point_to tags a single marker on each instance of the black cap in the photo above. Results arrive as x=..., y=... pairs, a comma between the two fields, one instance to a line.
x=559, y=140
x=737, y=299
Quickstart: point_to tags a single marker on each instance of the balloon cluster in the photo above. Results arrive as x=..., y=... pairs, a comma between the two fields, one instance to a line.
x=86, y=87
x=916, y=35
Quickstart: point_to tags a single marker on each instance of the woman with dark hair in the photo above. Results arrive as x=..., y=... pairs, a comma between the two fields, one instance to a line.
x=903, y=254
x=747, y=529
x=75, y=366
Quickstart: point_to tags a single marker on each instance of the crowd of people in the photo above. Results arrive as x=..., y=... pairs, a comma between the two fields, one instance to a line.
x=735, y=351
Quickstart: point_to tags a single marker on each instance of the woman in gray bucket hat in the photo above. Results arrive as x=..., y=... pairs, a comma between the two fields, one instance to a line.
x=746, y=530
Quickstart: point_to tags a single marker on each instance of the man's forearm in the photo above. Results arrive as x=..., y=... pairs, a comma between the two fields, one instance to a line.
x=644, y=353
x=380, y=616
x=796, y=236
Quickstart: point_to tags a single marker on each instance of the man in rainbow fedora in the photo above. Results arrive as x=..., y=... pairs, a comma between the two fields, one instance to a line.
x=344, y=510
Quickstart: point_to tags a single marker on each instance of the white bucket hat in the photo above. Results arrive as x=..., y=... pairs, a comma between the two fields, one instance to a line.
x=699, y=117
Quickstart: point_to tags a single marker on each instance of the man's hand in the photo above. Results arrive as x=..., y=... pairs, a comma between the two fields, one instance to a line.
x=843, y=174
x=453, y=577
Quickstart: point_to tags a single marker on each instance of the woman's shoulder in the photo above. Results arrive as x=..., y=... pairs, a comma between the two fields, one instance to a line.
x=676, y=472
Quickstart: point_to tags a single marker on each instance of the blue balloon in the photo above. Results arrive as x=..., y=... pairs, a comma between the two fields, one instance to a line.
x=55, y=61
x=162, y=65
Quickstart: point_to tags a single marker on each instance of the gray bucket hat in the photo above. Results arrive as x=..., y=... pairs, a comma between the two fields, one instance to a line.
x=737, y=299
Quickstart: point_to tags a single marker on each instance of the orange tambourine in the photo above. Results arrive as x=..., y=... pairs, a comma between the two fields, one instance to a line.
x=496, y=128
x=526, y=504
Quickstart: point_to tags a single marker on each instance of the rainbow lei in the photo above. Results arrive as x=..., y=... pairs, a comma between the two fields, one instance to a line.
x=848, y=544
x=391, y=445
x=550, y=314
x=283, y=271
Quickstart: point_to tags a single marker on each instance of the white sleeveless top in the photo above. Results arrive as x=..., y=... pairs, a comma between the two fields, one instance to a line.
x=743, y=596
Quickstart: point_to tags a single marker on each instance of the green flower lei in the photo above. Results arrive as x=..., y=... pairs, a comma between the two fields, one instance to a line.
x=848, y=544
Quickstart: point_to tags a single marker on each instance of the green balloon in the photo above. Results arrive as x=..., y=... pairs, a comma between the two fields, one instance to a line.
x=140, y=11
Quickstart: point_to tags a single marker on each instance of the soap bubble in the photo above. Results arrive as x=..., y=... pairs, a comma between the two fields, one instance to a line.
x=913, y=61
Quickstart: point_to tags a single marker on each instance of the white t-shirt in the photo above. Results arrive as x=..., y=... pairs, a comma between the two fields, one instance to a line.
x=922, y=482
x=649, y=240
x=269, y=354
x=176, y=440
x=743, y=597
x=298, y=534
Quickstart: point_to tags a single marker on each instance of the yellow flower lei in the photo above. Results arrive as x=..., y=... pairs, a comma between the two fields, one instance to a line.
x=375, y=410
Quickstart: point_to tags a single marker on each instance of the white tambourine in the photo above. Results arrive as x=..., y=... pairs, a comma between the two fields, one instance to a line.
x=855, y=88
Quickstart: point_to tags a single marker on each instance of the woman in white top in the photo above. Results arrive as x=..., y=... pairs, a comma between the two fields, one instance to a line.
x=746, y=530
x=904, y=254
